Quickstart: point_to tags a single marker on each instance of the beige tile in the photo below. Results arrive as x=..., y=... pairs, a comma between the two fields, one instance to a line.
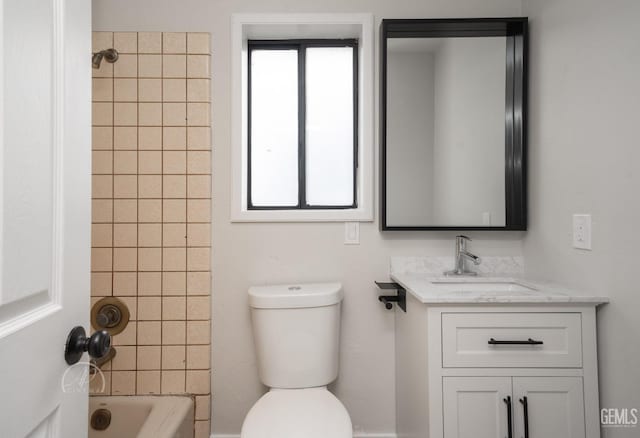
x=173, y=382
x=102, y=90
x=174, y=42
x=149, y=357
x=101, y=384
x=102, y=114
x=101, y=210
x=198, y=382
x=149, y=42
x=125, y=138
x=150, y=138
x=174, y=186
x=125, y=90
x=131, y=303
x=174, y=162
x=203, y=407
x=102, y=186
x=125, y=358
x=150, y=66
x=149, y=333
x=124, y=259
x=199, y=235
x=198, y=357
x=174, y=259
x=150, y=162
x=198, y=308
x=150, y=90
x=198, y=283
x=101, y=41
x=198, y=186
x=150, y=235
x=174, y=114
x=125, y=235
x=125, y=42
x=198, y=332
x=198, y=114
x=128, y=336
x=123, y=382
x=174, y=283
x=174, y=138
x=101, y=237
x=198, y=42
x=173, y=332
x=149, y=259
x=174, y=66
x=174, y=90
x=199, y=138
x=173, y=357
x=101, y=162
x=124, y=210
x=149, y=283
x=150, y=186
x=173, y=308
x=124, y=283
x=125, y=114
x=126, y=66
x=147, y=382
x=199, y=210
x=125, y=162
x=198, y=90
x=198, y=259
x=174, y=210
x=105, y=71
x=150, y=114
x=101, y=137
x=198, y=66
x=150, y=210
x=149, y=308
x=101, y=284
x=125, y=186
x=174, y=234
x=202, y=429
x=199, y=162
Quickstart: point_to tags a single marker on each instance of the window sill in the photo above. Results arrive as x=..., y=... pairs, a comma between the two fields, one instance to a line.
x=350, y=215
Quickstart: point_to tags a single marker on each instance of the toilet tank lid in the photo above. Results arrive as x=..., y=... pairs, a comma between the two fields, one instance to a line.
x=288, y=296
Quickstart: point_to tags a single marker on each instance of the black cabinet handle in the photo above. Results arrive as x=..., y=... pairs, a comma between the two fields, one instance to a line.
x=527, y=342
x=525, y=407
x=509, y=419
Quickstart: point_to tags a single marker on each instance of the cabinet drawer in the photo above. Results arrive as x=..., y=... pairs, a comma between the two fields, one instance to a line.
x=512, y=340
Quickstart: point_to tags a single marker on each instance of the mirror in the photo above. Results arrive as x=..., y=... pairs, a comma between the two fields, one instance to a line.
x=453, y=124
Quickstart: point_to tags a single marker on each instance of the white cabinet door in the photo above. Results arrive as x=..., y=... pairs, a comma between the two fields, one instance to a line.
x=475, y=407
x=554, y=407
x=45, y=214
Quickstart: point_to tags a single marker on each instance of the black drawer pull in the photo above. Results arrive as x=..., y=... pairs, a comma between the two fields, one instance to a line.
x=525, y=408
x=509, y=418
x=527, y=342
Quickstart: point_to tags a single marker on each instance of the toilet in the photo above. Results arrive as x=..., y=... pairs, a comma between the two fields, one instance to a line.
x=297, y=335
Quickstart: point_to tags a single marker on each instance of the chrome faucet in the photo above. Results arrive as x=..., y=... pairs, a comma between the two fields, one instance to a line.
x=461, y=255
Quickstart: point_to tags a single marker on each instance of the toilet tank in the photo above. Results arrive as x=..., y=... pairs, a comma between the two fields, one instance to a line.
x=296, y=331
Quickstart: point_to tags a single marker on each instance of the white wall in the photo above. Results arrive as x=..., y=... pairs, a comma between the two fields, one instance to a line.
x=246, y=254
x=584, y=157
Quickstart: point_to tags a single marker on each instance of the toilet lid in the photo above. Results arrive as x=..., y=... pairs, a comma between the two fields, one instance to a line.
x=296, y=413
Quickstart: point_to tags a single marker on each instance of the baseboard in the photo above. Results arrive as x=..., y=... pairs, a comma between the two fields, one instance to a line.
x=356, y=435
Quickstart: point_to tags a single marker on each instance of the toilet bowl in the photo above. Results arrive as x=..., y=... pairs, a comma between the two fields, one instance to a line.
x=296, y=331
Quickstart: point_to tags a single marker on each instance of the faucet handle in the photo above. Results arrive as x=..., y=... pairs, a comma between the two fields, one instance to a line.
x=463, y=237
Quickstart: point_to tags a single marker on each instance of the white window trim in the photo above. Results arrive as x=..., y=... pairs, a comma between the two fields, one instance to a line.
x=266, y=26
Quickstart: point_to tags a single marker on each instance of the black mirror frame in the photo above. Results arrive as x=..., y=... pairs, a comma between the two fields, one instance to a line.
x=516, y=31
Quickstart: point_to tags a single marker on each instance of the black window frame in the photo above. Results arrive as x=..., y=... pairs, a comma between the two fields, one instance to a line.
x=301, y=45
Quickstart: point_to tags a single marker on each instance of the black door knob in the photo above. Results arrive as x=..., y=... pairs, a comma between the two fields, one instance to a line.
x=97, y=345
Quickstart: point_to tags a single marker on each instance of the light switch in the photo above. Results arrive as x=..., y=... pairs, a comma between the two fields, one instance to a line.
x=352, y=233
x=582, y=231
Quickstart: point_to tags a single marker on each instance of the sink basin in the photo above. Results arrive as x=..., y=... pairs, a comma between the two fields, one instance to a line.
x=481, y=286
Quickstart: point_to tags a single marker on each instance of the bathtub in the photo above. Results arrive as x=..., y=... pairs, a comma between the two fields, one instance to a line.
x=143, y=416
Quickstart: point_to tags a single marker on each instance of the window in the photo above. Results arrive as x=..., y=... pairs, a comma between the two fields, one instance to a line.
x=302, y=130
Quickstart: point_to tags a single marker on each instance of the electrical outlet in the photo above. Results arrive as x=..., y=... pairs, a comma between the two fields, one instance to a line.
x=352, y=233
x=582, y=231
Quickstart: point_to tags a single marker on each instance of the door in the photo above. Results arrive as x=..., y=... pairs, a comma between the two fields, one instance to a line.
x=554, y=407
x=476, y=407
x=45, y=213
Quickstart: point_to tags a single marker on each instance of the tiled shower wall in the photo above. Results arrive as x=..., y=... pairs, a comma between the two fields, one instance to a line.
x=151, y=211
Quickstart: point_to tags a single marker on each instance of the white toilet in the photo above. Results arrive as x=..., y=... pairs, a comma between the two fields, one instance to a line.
x=297, y=335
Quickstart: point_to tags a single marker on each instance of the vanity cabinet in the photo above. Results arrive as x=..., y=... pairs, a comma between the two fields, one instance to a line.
x=496, y=370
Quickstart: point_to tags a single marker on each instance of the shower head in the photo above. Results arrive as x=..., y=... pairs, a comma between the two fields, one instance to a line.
x=109, y=55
